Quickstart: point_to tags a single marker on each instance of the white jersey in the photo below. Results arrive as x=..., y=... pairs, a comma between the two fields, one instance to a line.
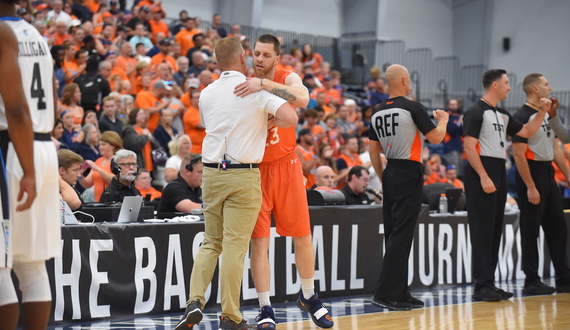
x=37, y=75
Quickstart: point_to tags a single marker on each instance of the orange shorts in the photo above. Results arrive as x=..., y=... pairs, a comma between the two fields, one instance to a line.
x=283, y=192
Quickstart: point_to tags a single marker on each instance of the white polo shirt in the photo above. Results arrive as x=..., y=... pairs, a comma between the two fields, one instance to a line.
x=236, y=127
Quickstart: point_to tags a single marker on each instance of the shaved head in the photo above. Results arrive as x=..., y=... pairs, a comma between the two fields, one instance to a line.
x=398, y=79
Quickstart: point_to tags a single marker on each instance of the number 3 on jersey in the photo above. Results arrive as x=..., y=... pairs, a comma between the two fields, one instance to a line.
x=274, y=138
x=36, y=89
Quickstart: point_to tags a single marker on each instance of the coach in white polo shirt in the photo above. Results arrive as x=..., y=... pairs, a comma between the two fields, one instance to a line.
x=236, y=130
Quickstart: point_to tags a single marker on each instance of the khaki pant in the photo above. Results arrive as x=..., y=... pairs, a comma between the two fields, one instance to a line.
x=232, y=200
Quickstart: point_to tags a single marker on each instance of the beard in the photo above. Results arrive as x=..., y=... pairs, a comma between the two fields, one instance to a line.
x=130, y=176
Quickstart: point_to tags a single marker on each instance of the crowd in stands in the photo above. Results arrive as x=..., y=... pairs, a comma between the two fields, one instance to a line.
x=126, y=71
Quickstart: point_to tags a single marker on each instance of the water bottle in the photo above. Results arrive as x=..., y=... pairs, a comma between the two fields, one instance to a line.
x=61, y=211
x=442, y=204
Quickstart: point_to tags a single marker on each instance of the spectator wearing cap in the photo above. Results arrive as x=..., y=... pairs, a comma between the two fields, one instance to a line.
x=165, y=46
x=332, y=94
x=140, y=37
x=191, y=85
x=157, y=24
x=192, y=123
x=115, y=10
x=107, y=19
x=309, y=160
x=184, y=36
x=198, y=64
x=451, y=177
x=41, y=12
x=24, y=14
x=141, y=18
x=153, y=5
x=198, y=40
x=57, y=14
x=164, y=73
x=151, y=102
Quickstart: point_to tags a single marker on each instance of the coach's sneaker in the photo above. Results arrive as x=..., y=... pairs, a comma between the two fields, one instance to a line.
x=537, y=287
x=227, y=324
x=192, y=315
x=316, y=309
x=266, y=318
x=504, y=294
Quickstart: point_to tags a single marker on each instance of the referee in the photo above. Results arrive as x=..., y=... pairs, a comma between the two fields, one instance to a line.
x=485, y=130
x=540, y=201
x=397, y=127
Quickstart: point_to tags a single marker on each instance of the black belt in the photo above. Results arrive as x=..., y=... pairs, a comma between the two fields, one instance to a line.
x=4, y=136
x=219, y=165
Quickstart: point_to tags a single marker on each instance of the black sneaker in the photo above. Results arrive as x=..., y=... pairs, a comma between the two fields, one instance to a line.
x=537, y=287
x=227, y=324
x=504, y=294
x=192, y=316
x=392, y=305
x=486, y=293
x=316, y=309
x=415, y=302
x=266, y=318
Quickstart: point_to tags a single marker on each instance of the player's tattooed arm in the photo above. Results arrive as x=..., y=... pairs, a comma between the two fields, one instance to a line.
x=282, y=93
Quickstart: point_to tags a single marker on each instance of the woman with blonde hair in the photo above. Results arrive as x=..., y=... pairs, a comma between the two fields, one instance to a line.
x=70, y=96
x=179, y=148
x=100, y=175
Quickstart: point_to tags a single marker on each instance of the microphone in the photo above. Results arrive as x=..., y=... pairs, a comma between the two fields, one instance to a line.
x=373, y=192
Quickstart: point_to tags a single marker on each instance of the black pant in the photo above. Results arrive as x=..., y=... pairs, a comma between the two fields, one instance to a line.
x=485, y=213
x=550, y=215
x=402, y=183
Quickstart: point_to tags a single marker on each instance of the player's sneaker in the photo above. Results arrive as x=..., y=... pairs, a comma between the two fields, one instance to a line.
x=192, y=315
x=316, y=309
x=266, y=318
x=227, y=324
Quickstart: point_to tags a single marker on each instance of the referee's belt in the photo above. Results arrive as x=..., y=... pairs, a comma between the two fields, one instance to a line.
x=4, y=136
x=228, y=166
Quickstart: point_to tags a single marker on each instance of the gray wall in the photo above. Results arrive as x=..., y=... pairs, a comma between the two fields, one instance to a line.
x=472, y=30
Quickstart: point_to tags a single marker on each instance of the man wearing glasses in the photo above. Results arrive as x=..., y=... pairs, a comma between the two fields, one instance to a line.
x=184, y=194
x=124, y=166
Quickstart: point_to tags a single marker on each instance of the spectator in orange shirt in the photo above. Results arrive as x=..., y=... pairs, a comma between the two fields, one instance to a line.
x=127, y=63
x=108, y=19
x=157, y=24
x=322, y=103
x=191, y=85
x=77, y=38
x=70, y=96
x=151, y=102
x=348, y=158
x=312, y=123
x=153, y=5
x=165, y=46
x=206, y=78
x=184, y=37
x=143, y=183
x=333, y=95
x=235, y=31
x=192, y=124
x=309, y=161
x=325, y=70
x=69, y=65
x=311, y=59
x=451, y=177
x=60, y=34
x=285, y=63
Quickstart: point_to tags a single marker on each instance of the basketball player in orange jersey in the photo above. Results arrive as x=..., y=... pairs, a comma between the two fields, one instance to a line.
x=282, y=188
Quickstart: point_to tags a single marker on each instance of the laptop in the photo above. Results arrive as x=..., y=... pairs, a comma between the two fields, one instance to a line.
x=130, y=209
x=68, y=216
x=453, y=195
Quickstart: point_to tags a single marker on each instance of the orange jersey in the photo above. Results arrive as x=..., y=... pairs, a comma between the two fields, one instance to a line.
x=59, y=39
x=154, y=194
x=71, y=68
x=184, y=39
x=161, y=58
x=191, y=119
x=280, y=141
x=332, y=94
x=308, y=155
x=98, y=182
x=92, y=5
x=158, y=26
x=185, y=99
x=145, y=100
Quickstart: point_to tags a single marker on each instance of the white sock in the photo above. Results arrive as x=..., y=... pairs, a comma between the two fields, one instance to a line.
x=308, y=287
x=263, y=298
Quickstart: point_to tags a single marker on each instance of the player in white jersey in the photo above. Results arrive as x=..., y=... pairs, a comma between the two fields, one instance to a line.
x=35, y=233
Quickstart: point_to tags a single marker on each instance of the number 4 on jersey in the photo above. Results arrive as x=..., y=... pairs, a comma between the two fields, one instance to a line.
x=36, y=89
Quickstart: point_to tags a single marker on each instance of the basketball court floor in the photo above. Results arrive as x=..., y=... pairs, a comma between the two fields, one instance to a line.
x=446, y=308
